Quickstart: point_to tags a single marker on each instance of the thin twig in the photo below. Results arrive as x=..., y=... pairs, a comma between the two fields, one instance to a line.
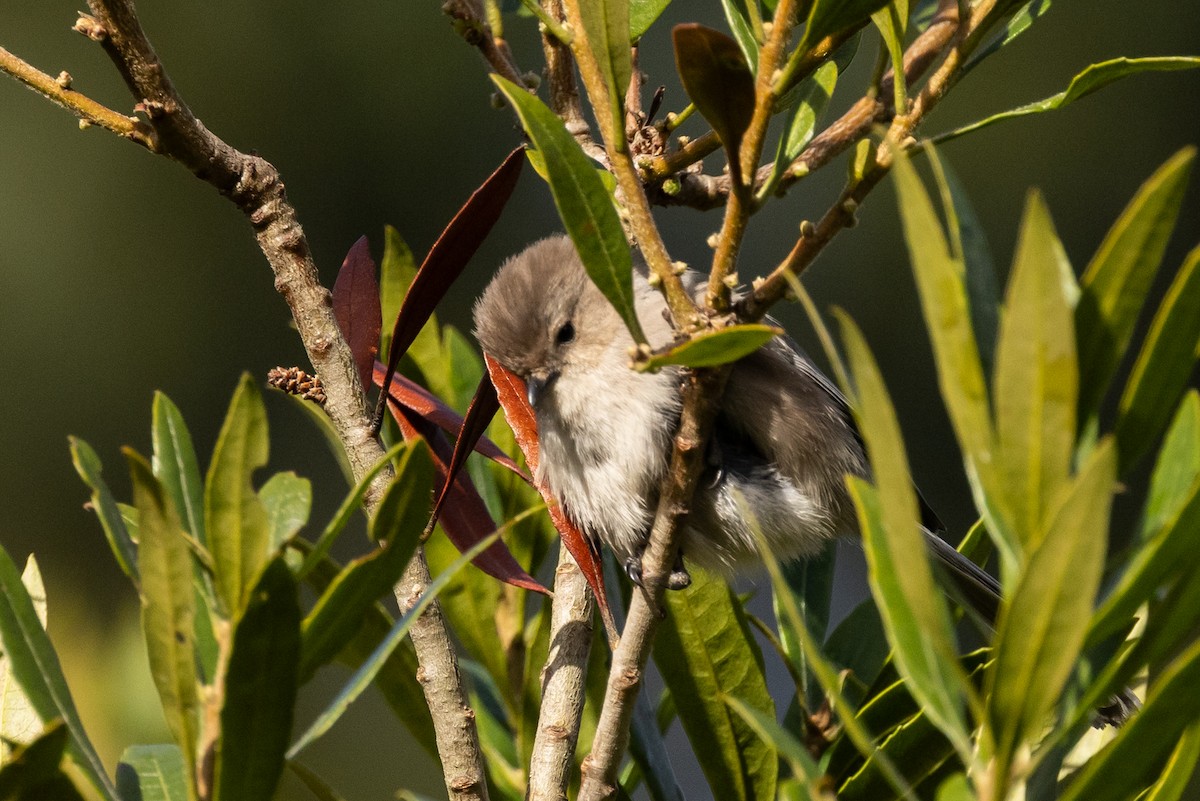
x=471, y=23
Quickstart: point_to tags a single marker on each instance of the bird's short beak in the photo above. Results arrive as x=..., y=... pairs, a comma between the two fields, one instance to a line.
x=536, y=385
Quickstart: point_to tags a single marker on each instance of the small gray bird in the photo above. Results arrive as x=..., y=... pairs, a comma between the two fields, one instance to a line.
x=784, y=437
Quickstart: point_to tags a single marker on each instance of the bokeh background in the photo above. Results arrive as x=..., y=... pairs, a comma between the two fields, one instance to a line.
x=120, y=274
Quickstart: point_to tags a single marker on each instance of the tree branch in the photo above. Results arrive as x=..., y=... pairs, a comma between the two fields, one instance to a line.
x=471, y=24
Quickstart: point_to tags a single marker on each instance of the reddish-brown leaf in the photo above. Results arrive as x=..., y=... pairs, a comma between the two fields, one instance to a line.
x=479, y=414
x=510, y=392
x=465, y=517
x=450, y=254
x=356, y=307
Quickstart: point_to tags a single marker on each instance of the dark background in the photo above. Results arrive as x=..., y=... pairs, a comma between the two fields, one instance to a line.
x=121, y=274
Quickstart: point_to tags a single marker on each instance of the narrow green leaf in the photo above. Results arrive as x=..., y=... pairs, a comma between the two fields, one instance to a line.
x=287, y=499
x=260, y=689
x=1037, y=380
x=371, y=666
x=826, y=17
x=316, y=415
x=606, y=29
x=716, y=77
x=1119, y=276
x=1180, y=768
x=168, y=606
x=397, y=269
x=583, y=203
x=1163, y=365
x=1123, y=768
x=176, y=467
x=716, y=347
x=914, y=613
x=35, y=666
x=35, y=771
x=236, y=520
x=892, y=22
x=1092, y=79
x=960, y=373
x=152, y=773
x=19, y=721
x=87, y=465
x=815, y=93
x=1176, y=468
x=642, y=14
x=1042, y=629
x=706, y=652
x=1017, y=24
x=742, y=25
x=783, y=741
x=810, y=583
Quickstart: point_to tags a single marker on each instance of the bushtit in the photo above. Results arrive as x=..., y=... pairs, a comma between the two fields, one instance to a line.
x=783, y=441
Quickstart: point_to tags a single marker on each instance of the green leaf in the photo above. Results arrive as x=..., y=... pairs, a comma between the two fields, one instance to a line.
x=237, y=524
x=1176, y=468
x=1124, y=767
x=152, y=773
x=642, y=14
x=19, y=721
x=176, y=467
x=399, y=522
x=1037, y=380
x=810, y=583
x=742, y=25
x=397, y=270
x=35, y=772
x=705, y=652
x=892, y=22
x=955, y=789
x=1092, y=79
x=960, y=373
x=784, y=742
x=1017, y=24
x=371, y=666
x=606, y=28
x=260, y=689
x=815, y=92
x=1042, y=629
x=858, y=643
x=1163, y=365
x=287, y=499
x=1180, y=768
x=914, y=613
x=718, y=80
x=35, y=666
x=716, y=347
x=583, y=203
x=826, y=17
x=1119, y=276
x=168, y=606
x=316, y=785
x=87, y=465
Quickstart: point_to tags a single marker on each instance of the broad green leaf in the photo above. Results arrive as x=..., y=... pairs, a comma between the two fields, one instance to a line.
x=826, y=17
x=19, y=721
x=35, y=666
x=1176, y=468
x=913, y=611
x=124, y=549
x=399, y=522
x=1163, y=365
x=892, y=22
x=1180, y=768
x=152, y=773
x=1092, y=79
x=168, y=607
x=1127, y=764
x=784, y=742
x=176, y=467
x=397, y=269
x=260, y=689
x=35, y=771
x=960, y=373
x=1037, y=380
x=1042, y=629
x=716, y=347
x=583, y=203
x=371, y=666
x=642, y=14
x=606, y=30
x=288, y=500
x=742, y=25
x=705, y=652
x=1119, y=276
x=1017, y=24
x=810, y=583
x=236, y=520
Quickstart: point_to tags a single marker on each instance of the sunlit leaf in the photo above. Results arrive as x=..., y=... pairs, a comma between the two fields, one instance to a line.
x=397, y=269
x=784, y=742
x=826, y=17
x=19, y=721
x=1017, y=24
x=606, y=28
x=152, y=773
x=714, y=348
x=892, y=22
x=176, y=467
x=742, y=25
x=642, y=14
x=87, y=465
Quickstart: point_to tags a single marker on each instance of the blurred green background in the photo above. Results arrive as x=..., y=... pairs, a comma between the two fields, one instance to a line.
x=121, y=274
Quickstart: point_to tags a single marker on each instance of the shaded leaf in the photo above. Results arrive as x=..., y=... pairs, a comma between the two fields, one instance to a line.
x=718, y=80
x=1180, y=768
x=826, y=17
x=784, y=742
x=1176, y=468
x=1092, y=79
x=287, y=499
x=1163, y=365
x=316, y=415
x=152, y=773
x=1017, y=24
x=87, y=465
x=642, y=14
x=714, y=348
x=316, y=785
x=356, y=307
x=584, y=205
x=810, y=583
x=260, y=689
x=35, y=773
x=236, y=520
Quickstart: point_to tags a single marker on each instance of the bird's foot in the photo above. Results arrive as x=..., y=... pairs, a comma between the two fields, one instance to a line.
x=678, y=579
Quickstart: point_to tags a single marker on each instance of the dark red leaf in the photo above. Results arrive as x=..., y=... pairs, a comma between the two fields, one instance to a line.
x=510, y=392
x=450, y=254
x=415, y=397
x=717, y=79
x=479, y=414
x=356, y=307
x=465, y=517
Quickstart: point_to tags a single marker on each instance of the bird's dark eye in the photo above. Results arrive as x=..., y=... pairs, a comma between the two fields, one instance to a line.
x=565, y=334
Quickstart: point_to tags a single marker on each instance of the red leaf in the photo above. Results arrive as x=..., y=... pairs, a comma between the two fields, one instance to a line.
x=356, y=307
x=415, y=397
x=450, y=254
x=510, y=391
x=465, y=518
x=481, y=411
